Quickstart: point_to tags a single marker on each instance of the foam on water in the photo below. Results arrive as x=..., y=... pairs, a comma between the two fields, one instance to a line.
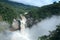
x=40, y=29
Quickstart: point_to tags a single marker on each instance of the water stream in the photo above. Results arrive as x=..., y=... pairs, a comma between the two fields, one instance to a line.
x=41, y=28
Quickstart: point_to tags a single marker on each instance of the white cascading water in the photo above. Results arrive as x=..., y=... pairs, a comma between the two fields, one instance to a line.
x=22, y=34
x=38, y=30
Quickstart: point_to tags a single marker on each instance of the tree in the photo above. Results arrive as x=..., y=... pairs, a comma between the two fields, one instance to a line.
x=54, y=2
x=54, y=35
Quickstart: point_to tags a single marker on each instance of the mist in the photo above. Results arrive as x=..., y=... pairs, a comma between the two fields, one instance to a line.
x=38, y=30
x=43, y=27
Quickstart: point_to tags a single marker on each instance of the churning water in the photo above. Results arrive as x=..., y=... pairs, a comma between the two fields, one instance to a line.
x=40, y=29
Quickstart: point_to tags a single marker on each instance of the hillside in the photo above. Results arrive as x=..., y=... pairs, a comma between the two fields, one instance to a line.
x=35, y=14
x=19, y=5
x=7, y=12
x=12, y=10
x=44, y=11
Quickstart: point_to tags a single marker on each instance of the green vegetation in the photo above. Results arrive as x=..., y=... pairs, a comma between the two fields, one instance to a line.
x=54, y=35
x=9, y=11
x=46, y=11
x=43, y=12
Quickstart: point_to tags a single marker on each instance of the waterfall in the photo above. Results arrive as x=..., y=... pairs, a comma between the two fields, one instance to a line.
x=38, y=30
x=23, y=23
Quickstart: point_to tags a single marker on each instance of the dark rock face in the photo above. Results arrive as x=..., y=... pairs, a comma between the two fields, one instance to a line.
x=31, y=21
